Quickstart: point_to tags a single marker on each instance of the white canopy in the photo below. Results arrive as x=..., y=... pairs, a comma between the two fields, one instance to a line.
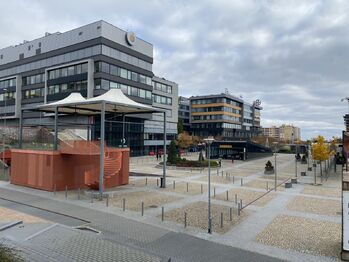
x=115, y=101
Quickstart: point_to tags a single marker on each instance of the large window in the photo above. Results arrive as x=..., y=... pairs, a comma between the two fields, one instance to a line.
x=38, y=92
x=8, y=83
x=35, y=79
x=162, y=87
x=122, y=72
x=69, y=87
x=8, y=96
x=67, y=71
x=162, y=99
x=126, y=89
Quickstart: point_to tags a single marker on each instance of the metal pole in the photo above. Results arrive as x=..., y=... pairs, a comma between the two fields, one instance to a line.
x=123, y=130
x=101, y=161
x=164, y=161
x=209, y=190
x=20, y=128
x=3, y=137
x=296, y=161
x=275, y=172
x=162, y=213
x=55, y=141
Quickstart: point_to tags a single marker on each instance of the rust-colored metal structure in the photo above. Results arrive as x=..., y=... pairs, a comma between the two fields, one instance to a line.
x=75, y=165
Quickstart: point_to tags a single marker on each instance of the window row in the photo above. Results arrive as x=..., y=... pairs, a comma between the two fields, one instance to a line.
x=62, y=88
x=35, y=79
x=8, y=96
x=7, y=83
x=162, y=87
x=162, y=99
x=121, y=72
x=215, y=100
x=216, y=117
x=108, y=51
x=52, y=61
x=38, y=92
x=127, y=90
x=68, y=71
x=229, y=125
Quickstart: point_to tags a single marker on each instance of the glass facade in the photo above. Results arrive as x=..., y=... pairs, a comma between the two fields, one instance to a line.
x=8, y=96
x=8, y=83
x=162, y=87
x=67, y=87
x=162, y=99
x=33, y=93
x=34, y=79
x=67, y=71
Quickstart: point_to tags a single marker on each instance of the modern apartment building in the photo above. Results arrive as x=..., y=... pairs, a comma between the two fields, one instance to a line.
x=184, y=112
x=284, y=132
x=91, y=60
x=224, y=116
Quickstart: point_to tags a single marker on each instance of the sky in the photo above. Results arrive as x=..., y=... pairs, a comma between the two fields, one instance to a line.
x=292, y=55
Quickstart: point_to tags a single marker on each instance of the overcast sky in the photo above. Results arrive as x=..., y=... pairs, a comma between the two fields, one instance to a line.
x=292, y=55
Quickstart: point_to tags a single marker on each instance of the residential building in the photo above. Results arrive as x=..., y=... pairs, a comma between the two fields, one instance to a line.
x=346, y=122
x=284, y=132
x=184, y=112
x=91, y=60
x=224, y=116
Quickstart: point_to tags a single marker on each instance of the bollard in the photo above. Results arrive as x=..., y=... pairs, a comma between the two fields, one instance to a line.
x=54, y=190
x=222, y=173
x=202, y=189
x=241, y=203
x=157, y=182
x=238, y=209
x=142, y=208
x=187, y=186
x=185, y=219
x=123, y=204
x=174, y=184
x=217, y=172
x=91, y=197
x=162, y=213
x=236, y=198
x=227, y=195
x=231, y=214
x=107, y=202
x=267, y=186
x=233, y=179
x=66, y=192
x=242, y=182
x=146, y=181
x=79, y=193
x=221, y=219
x=214, y=192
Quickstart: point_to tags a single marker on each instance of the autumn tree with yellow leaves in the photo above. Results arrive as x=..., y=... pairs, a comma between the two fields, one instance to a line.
x=321, y=150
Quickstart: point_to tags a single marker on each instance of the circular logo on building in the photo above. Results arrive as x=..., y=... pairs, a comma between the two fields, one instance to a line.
x=257, y=102
x=130, y=38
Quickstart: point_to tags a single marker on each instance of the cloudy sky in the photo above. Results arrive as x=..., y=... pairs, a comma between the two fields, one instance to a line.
x=293, y=55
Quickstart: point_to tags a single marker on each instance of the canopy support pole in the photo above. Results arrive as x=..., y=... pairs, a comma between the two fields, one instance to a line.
x=163, y=184
x=20, y=128
x=101, y=162
x=55, y=141
x=123, y=130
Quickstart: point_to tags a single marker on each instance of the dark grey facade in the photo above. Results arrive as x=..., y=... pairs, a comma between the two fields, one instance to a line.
x=224, y=116
x=184, y=112
x=91, y=60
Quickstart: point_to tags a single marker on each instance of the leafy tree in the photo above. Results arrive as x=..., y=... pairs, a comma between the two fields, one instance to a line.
x=180, y=126
x=321, y=150
x=172, y=153
x=184, y=140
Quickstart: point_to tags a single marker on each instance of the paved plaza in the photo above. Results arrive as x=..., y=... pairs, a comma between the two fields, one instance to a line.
x=297, y=224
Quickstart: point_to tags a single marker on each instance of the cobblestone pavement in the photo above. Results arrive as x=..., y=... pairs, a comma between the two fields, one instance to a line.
x=244, y=178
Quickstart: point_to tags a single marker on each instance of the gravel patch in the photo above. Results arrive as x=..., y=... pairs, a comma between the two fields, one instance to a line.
x=303, y=235
x=322, y=191
x=247, y=196
x=134, y=200
x=181, y=187
x=263, y=184
x=197, y=216
x=315, y=206
x=9, y=215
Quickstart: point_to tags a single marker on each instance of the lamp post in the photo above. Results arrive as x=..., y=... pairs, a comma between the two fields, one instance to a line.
x=3, y=135
x=209, y=141
x=275, y=172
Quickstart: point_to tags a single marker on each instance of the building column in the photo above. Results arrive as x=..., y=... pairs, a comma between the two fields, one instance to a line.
x=163, y=185
x=90, y=78
x=18, y=104
x=101, y=161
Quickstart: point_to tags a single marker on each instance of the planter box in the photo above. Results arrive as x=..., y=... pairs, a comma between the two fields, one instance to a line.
x=293, y=180
x=288, y=185
x=268, y=171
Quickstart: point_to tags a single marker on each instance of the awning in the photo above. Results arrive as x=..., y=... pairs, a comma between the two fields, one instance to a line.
x=115, y=102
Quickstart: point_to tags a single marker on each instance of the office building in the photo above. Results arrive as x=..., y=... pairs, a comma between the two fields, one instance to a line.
x=91, y=60
x=287, y=133
x=224, y=116
x=184, y=112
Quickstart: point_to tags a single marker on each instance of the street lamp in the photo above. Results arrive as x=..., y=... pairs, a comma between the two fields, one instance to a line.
x=3, y=135
x=275, y=143
x=209, y=141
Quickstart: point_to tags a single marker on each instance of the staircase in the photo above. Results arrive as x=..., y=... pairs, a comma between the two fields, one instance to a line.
x=112, y=166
